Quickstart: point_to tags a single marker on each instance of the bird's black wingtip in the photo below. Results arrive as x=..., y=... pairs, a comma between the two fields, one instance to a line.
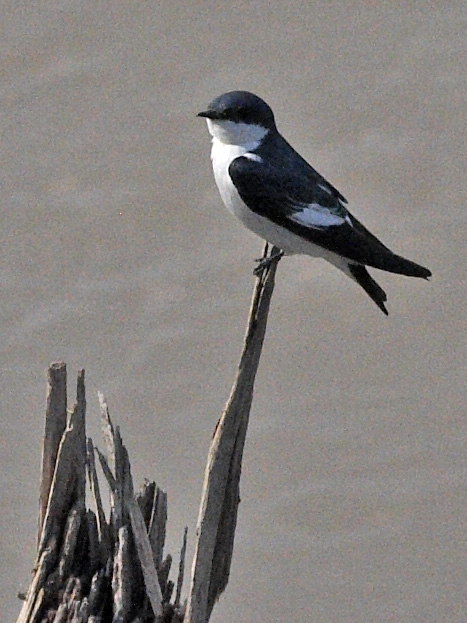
x=415, y=270
x=423, y=272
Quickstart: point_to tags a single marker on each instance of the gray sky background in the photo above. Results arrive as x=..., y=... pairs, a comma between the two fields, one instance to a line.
x=117, y=256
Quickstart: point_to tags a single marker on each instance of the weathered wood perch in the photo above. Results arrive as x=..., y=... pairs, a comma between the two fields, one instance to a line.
x=90, y=569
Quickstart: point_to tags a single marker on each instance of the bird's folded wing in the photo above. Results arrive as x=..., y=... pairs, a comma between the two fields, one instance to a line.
x=308, y=209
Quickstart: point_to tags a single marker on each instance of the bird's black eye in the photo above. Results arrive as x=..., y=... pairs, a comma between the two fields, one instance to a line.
x=238, y=114
x=231, y=113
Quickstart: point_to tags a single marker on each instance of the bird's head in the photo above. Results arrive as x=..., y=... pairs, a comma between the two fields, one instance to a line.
x=239, y=118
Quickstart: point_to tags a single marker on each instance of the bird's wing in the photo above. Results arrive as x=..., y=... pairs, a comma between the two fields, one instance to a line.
x=311, y=210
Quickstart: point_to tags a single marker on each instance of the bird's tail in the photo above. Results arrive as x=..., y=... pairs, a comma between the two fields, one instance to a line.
x=394, y=264
x=359, y=273
x=364, y=279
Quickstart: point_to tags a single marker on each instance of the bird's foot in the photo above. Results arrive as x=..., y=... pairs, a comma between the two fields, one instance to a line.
x=266, y=262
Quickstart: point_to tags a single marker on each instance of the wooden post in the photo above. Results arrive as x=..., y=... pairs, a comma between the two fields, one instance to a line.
x=217, y=519
x=55, y=422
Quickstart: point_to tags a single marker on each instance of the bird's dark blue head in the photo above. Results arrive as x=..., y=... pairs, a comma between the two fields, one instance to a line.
x=240, y=107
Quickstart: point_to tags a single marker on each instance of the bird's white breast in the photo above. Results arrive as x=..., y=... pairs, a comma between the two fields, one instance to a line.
x=222, y=155
x=231, y=140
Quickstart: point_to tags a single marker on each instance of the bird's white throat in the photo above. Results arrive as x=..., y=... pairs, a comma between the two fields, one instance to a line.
x=246, y=135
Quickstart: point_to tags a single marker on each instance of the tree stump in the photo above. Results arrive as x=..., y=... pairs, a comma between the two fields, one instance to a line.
x=93, y=569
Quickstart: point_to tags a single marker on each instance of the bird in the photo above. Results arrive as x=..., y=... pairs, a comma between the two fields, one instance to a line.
x=276, y=194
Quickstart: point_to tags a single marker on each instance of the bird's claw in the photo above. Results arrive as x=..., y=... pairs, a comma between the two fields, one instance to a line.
x=266, y=262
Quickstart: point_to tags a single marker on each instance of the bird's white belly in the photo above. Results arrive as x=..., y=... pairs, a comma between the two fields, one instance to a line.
x=274, y=234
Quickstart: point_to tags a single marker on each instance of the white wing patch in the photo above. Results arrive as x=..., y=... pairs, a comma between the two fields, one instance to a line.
x=316, y=216
x=253, y=157
x=325, y=188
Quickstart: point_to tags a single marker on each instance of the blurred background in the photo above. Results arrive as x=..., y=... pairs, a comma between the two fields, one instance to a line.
x=118, y=256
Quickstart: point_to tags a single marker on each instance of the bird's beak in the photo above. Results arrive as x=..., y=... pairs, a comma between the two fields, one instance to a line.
x=211, y=114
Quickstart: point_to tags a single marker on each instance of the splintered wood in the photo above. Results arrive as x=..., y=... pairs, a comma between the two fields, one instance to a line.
x=88, y=569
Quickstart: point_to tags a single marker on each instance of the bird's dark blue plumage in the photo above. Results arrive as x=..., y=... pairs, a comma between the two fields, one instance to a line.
x=269, y=192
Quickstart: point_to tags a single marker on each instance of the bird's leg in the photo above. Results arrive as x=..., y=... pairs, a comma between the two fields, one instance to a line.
x=265, y=262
